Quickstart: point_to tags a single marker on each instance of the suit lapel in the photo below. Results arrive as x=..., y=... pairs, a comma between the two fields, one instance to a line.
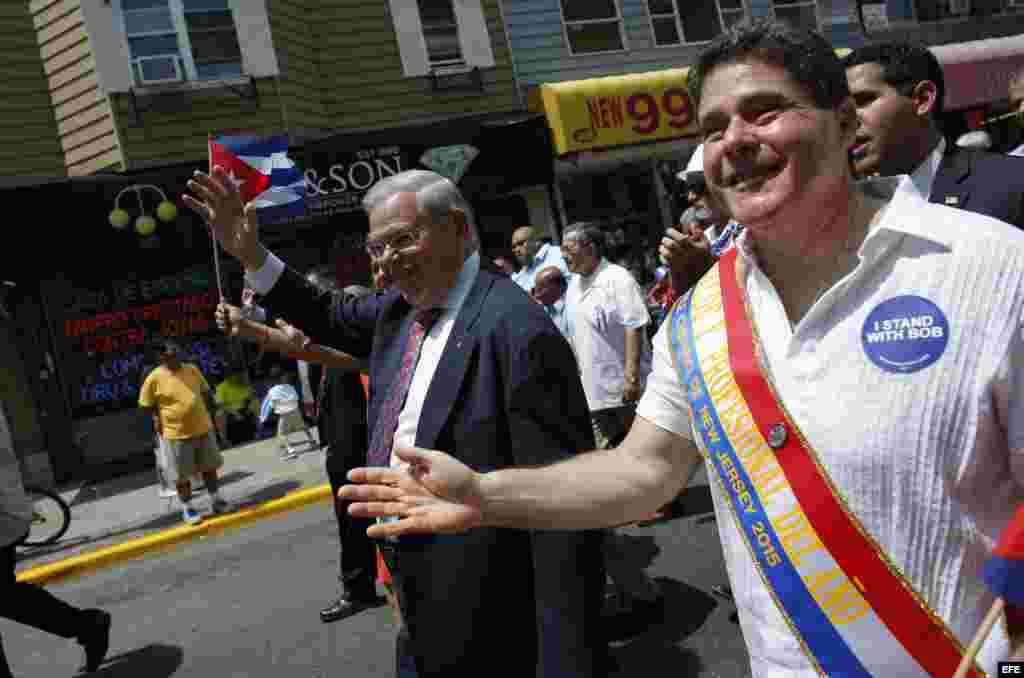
x=451, y=370
x=951, y=186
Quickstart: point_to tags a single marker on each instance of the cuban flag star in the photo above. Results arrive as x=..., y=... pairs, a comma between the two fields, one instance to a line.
x=262, y=172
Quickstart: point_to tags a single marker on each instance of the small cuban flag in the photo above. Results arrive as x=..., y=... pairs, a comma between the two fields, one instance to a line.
x=1004, y=571
x=261, y=170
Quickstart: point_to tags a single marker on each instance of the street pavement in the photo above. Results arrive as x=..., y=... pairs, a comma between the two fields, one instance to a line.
x=245, y=602
x=128, y=508
x=243, y=599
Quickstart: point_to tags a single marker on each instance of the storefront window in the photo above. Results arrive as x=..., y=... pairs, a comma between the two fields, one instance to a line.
x=625, y=205
x=496, y=219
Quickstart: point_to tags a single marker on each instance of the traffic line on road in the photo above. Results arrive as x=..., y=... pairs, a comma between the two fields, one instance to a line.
x=87, y=562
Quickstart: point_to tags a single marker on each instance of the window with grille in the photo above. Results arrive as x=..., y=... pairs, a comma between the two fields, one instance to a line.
x=802, y=13
x=441, y=36
x=441, y=32
x=676, y=22
x=593, y=26
x=175, y=40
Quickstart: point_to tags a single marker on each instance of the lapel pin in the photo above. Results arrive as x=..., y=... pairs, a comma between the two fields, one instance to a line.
x=777, y=436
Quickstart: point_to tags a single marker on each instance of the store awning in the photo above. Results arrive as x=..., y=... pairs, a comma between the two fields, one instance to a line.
x=618, y=110
x=979, y=72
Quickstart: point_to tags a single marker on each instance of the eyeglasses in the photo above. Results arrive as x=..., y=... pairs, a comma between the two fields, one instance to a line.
x=399, y=242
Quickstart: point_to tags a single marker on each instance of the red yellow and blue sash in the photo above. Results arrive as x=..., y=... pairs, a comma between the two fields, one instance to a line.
x=851, y=609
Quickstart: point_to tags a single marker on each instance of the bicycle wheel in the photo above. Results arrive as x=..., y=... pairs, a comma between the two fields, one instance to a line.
x=51, y=517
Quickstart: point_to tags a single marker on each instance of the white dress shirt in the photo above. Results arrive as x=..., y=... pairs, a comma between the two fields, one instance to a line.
x=430, y=356
x=547, y=255
x=1018, y=151
x=430, y=350
x=602, y=306
x=560, y=316
x=924, y=176
x=931, y=462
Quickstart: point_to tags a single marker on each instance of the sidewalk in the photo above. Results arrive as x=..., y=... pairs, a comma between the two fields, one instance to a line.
x=126, y=517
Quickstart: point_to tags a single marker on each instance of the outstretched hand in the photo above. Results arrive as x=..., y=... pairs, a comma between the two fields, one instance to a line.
x=435, y=494
x=234, y=224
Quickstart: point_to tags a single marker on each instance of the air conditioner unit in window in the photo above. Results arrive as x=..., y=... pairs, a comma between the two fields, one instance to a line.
x=959, y=6
x=155, y=70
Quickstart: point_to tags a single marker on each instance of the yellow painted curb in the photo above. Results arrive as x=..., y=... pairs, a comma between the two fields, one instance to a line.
x=87, y=562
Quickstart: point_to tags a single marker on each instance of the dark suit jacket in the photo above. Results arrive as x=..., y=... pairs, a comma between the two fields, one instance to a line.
x=506, y=393
x=982, y=182
x=342, y=420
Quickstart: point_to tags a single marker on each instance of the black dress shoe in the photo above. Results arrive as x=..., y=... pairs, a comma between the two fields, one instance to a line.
x=346, y=606
x=95, y=638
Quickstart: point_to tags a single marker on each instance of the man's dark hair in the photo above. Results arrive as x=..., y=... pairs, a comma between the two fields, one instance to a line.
x=904, y=65
x=589, y=233
x=806, y=56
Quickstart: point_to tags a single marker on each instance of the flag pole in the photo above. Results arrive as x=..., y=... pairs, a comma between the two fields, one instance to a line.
x=979, y=638
x=213, y=237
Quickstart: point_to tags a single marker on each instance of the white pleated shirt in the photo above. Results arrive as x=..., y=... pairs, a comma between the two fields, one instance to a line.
x=932, y=461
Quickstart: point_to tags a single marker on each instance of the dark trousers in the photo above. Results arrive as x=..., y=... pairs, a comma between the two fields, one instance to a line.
x=358, y=558
x=405, y=660
x=33, y=606
x=405, y=663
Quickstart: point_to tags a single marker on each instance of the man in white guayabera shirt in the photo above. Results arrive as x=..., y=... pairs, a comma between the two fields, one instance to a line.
x=858, y=339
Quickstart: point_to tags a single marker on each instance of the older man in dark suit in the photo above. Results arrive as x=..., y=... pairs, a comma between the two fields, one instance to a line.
x=461, y=360
x=898, y=89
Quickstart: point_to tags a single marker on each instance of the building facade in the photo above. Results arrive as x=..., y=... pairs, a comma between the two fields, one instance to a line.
x=610, y=77
x=122, y=96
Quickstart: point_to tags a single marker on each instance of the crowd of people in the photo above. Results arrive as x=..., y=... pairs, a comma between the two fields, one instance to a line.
x=834, y=327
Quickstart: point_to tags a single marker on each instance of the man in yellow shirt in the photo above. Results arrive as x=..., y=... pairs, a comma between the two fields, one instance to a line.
x=177, y=395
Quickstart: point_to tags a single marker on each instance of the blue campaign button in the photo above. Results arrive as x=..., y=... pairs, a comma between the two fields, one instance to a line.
x=905, y=334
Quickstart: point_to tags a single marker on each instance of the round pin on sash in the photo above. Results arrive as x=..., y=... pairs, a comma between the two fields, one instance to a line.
x=777, y=436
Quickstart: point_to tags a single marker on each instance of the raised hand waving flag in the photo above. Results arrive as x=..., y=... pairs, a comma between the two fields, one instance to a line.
x=262, y=172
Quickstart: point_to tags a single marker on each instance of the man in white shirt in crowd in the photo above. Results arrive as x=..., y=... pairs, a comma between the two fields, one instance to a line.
x=608, y=318
x=898, y=89
x=916, y=438
x=549, y=291
x=1016, y=96
x=533, y=255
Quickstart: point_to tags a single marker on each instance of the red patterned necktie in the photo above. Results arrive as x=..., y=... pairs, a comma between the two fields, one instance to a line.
x=387, y=419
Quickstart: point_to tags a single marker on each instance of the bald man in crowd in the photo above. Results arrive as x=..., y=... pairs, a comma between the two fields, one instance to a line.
x=549, y=291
